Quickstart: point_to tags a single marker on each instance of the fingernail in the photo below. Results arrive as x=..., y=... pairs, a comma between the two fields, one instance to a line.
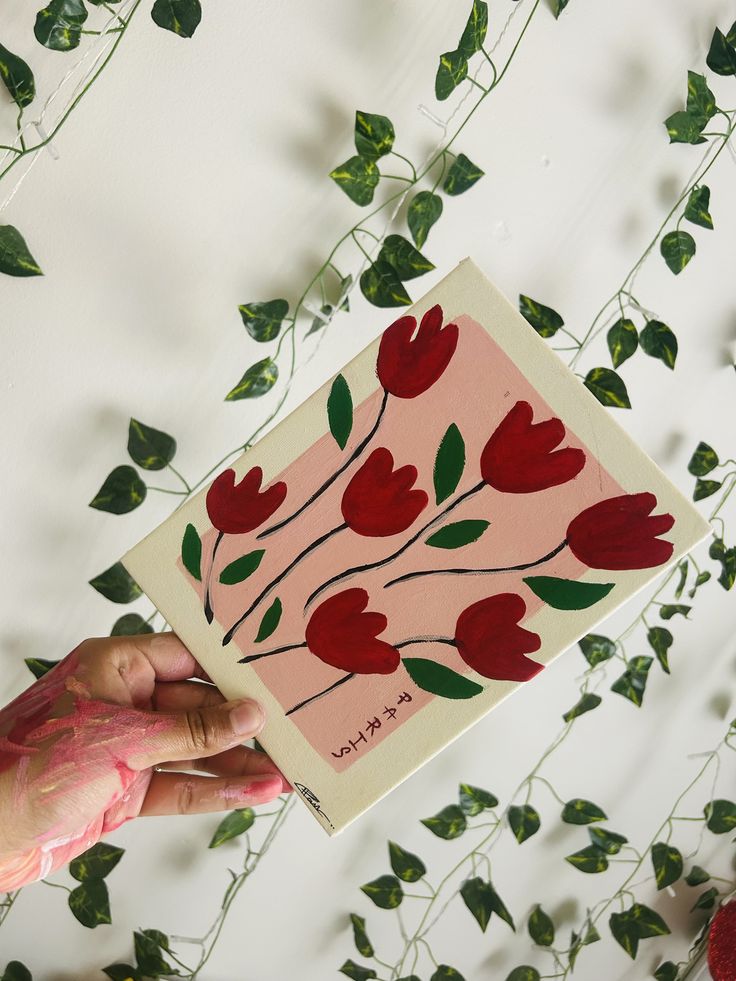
x=247, y=718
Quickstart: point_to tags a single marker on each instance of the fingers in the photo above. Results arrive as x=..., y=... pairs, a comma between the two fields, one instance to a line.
x=169, y=658
x=236, y=762
x=171, y=696
x=178, y=793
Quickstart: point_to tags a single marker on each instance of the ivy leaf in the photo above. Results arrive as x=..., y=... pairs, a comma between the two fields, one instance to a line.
x=696, y=209
x=59, y=25
x=608, y=841
x=263, y=320
x=721, y=55
x=683, y=568
x=696, y=876
x=706, y=900
x=667, y=863
x=727, y=558
x=700, y=100
x=122, y=491
x=116, y=584
x=590, y=859
x=608, y=388
x=558, y=6
x=319, y=322
x=270, y=621
x=39, y=666
x=677, y=250
x=362, y=942
x=374, y=135
x=385, y=891
x=623, y=341
x=578, y=941
x=96, y=863
x=541, y=928
x=451, y=71
x=425, y=208
x=147, y=945
x=15, y=259
x=150, y=448
x=474, y=800
x=405, y=259
x=625, y=932
x=660, y=640
x=357, y=972
x=358, y=177
x=191, y=552
x=258, y=379
x=685, y=127
x=587, y=703
x=475, y=30
x=524, y=821
x=340, y=411
x=445, y=973
x=477, y=896
x=239, y=570
x=633, y=681
x=234, y=823
x=407, y=866
x=448, y=823
x=130, y=625
x=449, y=464
x=597, y=649
x=648, y=923
x=440, y=680
x=524, y=972
x=461, y=176
x=658, y=341
x=705, y=488
x=670, y=610
x=18, y=78
x=720, y=816
x=122, y=972
x=458, y=533
x=381, y=286
x=90, y=903
x=667, y=971
x=568, y=594
x=579, y=811
x=544, y=320
x=181, y=17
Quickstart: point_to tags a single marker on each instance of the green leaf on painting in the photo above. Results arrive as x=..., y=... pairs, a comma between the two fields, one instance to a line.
x=458, y=533
x=722, y=54
x=270, y=621
x=541, y=928
x=385, y=891
x=524, y=821
x=608, y=841
x=720, y=816
x=122, y=491
x=340, y=411
x=360, y=936
x=234, y=823
x=258, y=379
x=596, y=648
x=474, y=800
x=381, y=286
x=150, y=448
x=623, y=341
x=696, y=209
x=667, y=863
x=263, y=320
x=677, y=250
x=697, y=876
x=449, y=463
x=357, y=972
x=703, y=460
x=90, y=903
x=191, y=552
x=544, y=320
x=181, y=17
x=660, y=640
x=608, y=388
x=17, y=77
x=658, y=341
x=440, y=680
x=461, y=176
x=705, y=488
x=580, y=811
x=374, y=135
x=633, y=682
x=358, y=177
x=590, y=859
x=669, y=610
x=409, y=263
x=448, y=823
x=15, y=259
x=568, y=594
x=424, y=210
x=130, y=625
x=96, y=863
x=116, y=584
x=242, y=568
x=451, y=71
x=586, y=703
x=39, y=666
x=476, y=28
x=59, y=25
x=408, y=867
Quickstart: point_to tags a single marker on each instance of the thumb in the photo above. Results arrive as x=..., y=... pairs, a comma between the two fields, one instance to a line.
x=197, y=732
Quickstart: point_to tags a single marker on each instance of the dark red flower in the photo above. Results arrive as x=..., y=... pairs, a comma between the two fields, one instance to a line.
x=621, y=533
x=408, y=365
x=519, y=457
x=379, y=501
x=490, y=640
x=238, y=508
x=341, y=634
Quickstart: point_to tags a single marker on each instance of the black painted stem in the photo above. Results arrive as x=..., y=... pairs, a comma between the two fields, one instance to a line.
x=278, y=650
x=320, y=694
x=208, y=611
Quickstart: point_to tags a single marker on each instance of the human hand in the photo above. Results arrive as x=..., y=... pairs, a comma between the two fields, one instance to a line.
x=88, y=746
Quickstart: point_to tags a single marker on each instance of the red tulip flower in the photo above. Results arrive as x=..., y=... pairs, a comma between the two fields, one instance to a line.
x=520, y=457
x=235, y=509
x=490, y=640
x=342, y=635
x=379, y=501
x=409, y=363
x=621, y=533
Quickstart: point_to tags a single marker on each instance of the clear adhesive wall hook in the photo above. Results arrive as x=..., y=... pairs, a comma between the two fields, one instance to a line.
x=43, y=135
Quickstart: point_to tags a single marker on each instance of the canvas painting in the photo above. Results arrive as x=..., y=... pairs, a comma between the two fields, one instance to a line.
x=421, y=537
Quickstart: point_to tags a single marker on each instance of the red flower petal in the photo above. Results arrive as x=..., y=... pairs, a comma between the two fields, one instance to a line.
x=490, y=640
x=408, y=363
x=378, y=501
x=343, y=636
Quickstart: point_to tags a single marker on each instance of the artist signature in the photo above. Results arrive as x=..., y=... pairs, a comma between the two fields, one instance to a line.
x=312, y=799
